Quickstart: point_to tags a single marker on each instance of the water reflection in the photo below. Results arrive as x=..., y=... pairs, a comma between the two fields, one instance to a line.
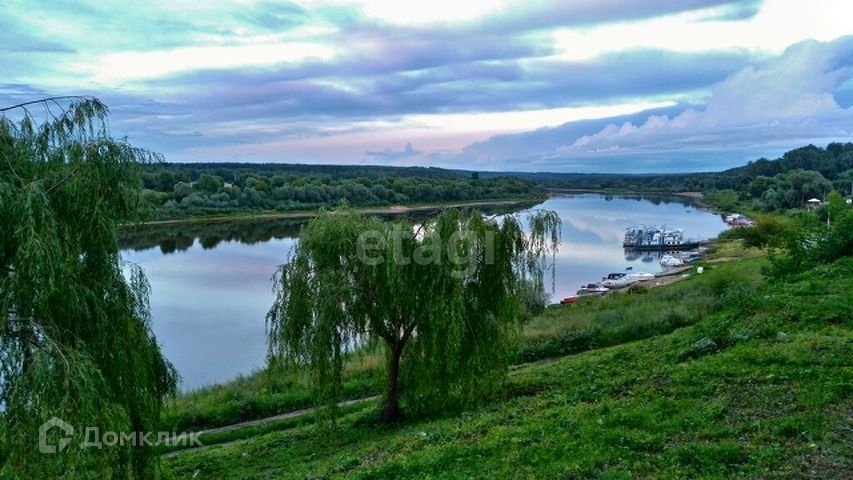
x=211, y=284
x=180, y=237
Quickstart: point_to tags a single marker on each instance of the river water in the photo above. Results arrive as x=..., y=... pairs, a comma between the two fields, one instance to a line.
x=211, y=284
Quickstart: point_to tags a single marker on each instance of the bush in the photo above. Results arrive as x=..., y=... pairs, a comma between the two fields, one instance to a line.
x=769, y=231
x=815, y=238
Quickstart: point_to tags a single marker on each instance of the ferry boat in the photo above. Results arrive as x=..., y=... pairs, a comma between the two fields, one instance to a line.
x=641, y=237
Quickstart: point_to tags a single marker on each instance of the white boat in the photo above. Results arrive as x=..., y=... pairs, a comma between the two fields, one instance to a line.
x=641, y=276
x=593, y=289
x=620, y=282
x=671, y=261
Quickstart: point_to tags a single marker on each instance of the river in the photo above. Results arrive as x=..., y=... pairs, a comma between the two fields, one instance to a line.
x=211, y=283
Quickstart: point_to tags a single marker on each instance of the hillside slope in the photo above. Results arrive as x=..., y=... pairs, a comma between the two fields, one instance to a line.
x=761, y=389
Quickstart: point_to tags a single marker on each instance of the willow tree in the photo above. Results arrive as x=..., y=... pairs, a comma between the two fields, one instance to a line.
x=75, y=340
x=443, y=300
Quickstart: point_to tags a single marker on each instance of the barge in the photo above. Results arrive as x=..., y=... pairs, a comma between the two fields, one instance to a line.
x=645, y=238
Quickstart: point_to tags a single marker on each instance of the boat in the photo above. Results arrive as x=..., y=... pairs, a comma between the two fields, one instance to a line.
x=593, y=289
x=737, y=220
x=645, y=238
x=691, y=256
x=641, y=276
x=568, y=300
x=671, y=261
x=619, y=282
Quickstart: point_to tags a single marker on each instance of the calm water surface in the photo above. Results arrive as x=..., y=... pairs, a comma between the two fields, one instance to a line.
x=211, y=284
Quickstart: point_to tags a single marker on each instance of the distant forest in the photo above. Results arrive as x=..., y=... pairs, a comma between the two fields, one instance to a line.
x=779, y=184
x=181, y=190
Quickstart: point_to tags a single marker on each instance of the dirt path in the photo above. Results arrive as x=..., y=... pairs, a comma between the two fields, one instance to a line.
x=259, y=421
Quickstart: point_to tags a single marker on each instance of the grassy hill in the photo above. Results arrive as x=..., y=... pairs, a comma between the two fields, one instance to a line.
x=733, y=376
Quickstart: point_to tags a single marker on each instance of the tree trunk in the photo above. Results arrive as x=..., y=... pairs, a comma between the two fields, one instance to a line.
x=391, y=412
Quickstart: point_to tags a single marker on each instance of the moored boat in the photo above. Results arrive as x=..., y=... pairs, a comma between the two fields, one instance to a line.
x=645, y=238
x=671, y=261
x=593, y=289
x=640, y=276
x=619, y=282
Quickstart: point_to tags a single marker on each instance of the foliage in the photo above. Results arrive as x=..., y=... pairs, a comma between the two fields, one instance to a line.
x=444, y=301
x=534, y=299
x=764, y=184
x=726, y=200
x=770, y=231
x=816, y=238
x=75, y=339
x=790, y=189
x=180, y=190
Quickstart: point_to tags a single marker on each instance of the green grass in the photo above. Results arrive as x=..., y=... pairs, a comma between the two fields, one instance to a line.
x=757, y=389
x=624, y=317
x=260, y=395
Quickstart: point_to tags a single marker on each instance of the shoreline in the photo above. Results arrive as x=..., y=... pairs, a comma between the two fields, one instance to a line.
x=692, y=195
x=403, y=209
x=306, y=214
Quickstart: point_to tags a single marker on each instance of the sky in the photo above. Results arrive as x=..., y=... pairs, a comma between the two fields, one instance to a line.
x=551, y=85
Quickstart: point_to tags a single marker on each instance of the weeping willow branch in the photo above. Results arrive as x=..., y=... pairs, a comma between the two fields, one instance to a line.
x=46, y=100
x=77, y=342
x=447, y=327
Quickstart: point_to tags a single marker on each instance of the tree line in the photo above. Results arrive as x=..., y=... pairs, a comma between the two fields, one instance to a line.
x=780, y=184
x=179, y=190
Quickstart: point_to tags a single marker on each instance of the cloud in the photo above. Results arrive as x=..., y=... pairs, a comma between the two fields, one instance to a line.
x=735, y=12
x=451, y=85
x=321, y=81
x=211, y=108
x=390, y=155
x=772, y=106
x=276, y=16
x=554, y=13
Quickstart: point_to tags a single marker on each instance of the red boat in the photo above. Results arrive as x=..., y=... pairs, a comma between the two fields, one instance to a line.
x=568, y=300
